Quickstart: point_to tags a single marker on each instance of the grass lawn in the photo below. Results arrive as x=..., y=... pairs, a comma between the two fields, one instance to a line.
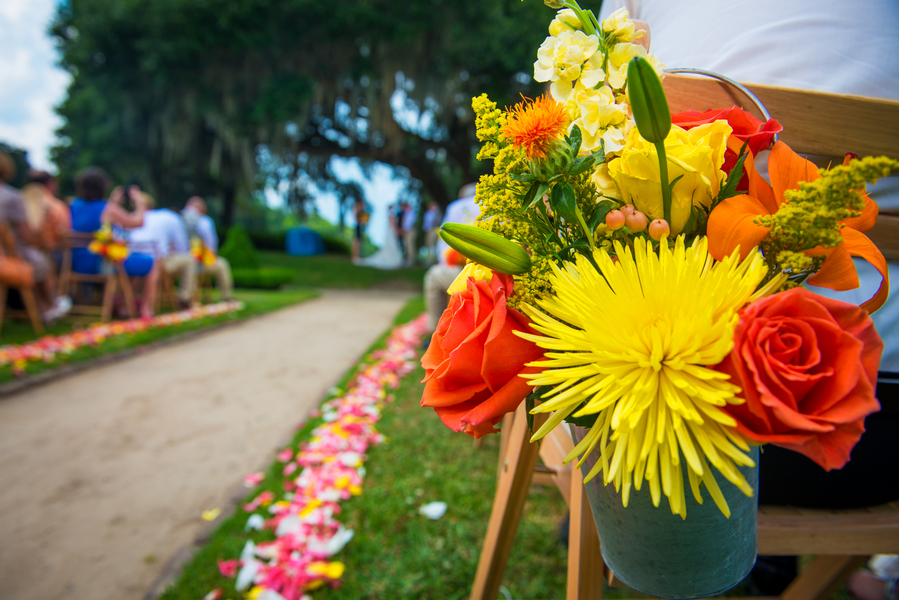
x=337, y=271
x=256, y=301
x=398, y=553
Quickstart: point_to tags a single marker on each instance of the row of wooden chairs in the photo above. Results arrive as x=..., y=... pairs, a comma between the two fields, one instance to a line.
x=112, y=281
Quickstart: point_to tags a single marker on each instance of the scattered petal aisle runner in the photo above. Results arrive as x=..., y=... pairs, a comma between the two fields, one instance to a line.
x=47, y=347
x=330, y=471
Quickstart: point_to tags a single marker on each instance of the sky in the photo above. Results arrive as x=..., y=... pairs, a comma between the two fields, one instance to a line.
x=31, y=85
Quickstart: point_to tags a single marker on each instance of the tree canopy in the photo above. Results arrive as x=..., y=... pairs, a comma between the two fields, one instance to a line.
x=220, y=97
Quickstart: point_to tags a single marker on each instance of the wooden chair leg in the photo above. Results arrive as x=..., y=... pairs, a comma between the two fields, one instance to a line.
x=823, y=577
x=127, y=291
x=585, y=564
x=505, y=431
x=511, y=493
x=34, y=314
x=3, y=291
x=108, y=297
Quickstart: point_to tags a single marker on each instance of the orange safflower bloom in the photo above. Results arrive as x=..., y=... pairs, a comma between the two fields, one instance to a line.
x=732, y=224
x=536, y=125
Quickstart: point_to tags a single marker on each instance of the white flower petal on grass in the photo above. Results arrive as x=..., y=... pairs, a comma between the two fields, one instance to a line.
x=433, y=510
x=254, y=522
x=247, y=573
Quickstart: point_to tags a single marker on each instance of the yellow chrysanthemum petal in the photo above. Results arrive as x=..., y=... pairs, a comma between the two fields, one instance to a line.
x=632, y=343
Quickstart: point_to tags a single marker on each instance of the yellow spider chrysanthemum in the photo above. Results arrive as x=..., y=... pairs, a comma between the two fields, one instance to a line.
x=632, y=345
x=536, y=126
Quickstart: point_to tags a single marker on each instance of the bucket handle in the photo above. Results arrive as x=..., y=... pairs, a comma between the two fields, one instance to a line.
x=758, y=103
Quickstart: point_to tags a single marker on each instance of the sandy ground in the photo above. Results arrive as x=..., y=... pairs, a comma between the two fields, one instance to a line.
x=104, y=474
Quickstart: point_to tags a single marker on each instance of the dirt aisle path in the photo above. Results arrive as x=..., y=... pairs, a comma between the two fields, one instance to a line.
x=104, y=475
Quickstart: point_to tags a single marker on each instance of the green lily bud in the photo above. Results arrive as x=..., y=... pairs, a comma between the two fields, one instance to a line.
x=556, y=4
x=652, y=116
x=486, y=248
x=648, y=101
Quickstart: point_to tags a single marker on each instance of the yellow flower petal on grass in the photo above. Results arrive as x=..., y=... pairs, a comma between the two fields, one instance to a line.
x=632, y=343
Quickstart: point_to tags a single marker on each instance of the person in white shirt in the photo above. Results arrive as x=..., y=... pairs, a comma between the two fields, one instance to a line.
x=201, y=226
x=164, y=236
x=440, y=276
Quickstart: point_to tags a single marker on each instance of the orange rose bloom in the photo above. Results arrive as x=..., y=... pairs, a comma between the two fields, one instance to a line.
x=474, y=358
x=808, y=369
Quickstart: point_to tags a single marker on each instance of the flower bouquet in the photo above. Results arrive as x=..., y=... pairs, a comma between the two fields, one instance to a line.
x=633, y=275
x=202, y=254
x=106, y=245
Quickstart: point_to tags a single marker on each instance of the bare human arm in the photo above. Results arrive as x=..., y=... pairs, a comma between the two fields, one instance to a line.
x=115, y=214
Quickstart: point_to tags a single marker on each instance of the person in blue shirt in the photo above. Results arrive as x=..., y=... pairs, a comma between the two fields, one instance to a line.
x=90, y=211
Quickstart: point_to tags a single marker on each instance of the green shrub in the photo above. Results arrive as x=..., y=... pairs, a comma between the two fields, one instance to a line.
x=262, y=279
x=335, y=245
x=239, y=250
x=268, y=240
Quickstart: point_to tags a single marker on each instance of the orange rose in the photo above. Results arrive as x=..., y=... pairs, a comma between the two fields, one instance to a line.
x=474, y=358
x=808, y=369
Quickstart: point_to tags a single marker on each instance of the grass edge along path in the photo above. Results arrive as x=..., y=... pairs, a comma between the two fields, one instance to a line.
x=50, y=354
x=202, y=575
x=397, y=552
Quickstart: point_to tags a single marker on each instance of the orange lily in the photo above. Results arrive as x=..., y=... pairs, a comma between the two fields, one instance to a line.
x=732, y=224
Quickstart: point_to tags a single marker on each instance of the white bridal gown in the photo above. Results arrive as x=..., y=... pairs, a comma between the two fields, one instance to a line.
x=389, y=256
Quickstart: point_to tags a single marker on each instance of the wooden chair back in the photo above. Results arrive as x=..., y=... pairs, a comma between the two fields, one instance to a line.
x=21, y=282
x=113, y=279
x=815, y=123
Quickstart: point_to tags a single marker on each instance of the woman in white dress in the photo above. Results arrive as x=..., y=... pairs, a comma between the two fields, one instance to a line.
x=390, y=256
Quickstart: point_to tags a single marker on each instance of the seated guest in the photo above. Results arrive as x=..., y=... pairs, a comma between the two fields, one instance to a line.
x=442, y=275
x=200, y=225
x=47, y=214
x=29, y=245
x=165, y=236
x=90, y=212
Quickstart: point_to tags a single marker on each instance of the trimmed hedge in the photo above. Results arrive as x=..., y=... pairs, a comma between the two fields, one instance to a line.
x=275, y=240
x=262, y=279
x=268, y=240
x=239, y=250
x=335, y=245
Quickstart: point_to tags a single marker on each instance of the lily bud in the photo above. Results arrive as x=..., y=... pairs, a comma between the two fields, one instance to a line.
x=554, y=4
x=648, y=101
x=486, y=248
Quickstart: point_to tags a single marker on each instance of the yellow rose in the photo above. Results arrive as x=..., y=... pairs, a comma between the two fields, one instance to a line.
x=697, y=155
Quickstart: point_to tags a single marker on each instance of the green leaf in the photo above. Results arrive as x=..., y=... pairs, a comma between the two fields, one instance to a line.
x=523, y=177
x=585, y=421
x=575, y=139
x=729, y=189
x=564, y=202
x=528, y=198
x=580, y=165
x=599, y=214
x=599, y=156
x=542, y=188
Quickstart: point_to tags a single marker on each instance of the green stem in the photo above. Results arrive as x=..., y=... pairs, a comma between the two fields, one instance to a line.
x=587, y=233
x=583, y=18
x=663, y=179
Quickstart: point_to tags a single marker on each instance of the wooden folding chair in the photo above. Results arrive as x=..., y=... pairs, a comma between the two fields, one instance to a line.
x=841, y=540
x=112, y=279
x=9, y=252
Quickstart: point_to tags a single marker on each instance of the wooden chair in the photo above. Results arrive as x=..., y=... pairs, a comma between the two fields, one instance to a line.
x=840, y=540
x=8, y=252
x=113, y=279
